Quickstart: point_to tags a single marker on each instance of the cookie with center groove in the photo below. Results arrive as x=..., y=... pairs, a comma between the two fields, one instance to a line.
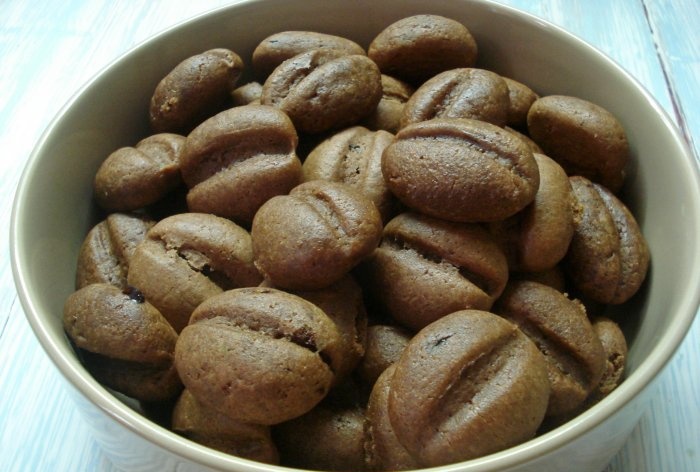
x=314, y=236
x=236, y=160
x=460, y=170
x=108, y=247
x=426, y=268
x=258, y=355
x=188, y=258
x=210, y=428
x=467, y=385
x=562, y=331
x=324, y=89
x=467, y=92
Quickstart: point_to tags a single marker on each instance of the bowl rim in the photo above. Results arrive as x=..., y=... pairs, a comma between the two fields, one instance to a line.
x=644, y=375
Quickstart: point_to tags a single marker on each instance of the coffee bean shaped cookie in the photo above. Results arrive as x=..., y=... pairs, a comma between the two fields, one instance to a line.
x=344, y=304
x=561, y=330
x=107, y=249
x=194, y=90
x=248, y=94
x=583, y=137
x=538, y=237
x=385, y=343
x=387, y=115
x=123, y=341
x=460, y=170
x=354, y=157
x=385, y=451
x=426, y=268
x=421, y=46
x=460, y=93
x=324, y=89
x=608, y=258
x=314, y=236
x=258, y=355
x=521, y=98
x=526, y=139
x=467, y=385
x=210, y=428
x=553, y=277
x=615, y=346
x=277, y=48
x=188, y=258
x=134, y=177
x=329, y=437
x=238, y=159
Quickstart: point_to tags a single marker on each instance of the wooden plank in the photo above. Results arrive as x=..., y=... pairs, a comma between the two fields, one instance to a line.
x=40, y=427
x=619, y=29
x=675, y=27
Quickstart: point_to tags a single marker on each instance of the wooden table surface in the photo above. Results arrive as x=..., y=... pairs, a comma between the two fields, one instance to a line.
x=49, y=48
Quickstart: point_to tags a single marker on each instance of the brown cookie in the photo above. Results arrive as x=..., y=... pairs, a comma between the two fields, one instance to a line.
x=387, y=115
x=615, y=346
x=421, y=46
x=324, y=89
x=521, y=99
x=472, y=93
x=460, y=170
x=553, y=277
x=107, y=249
x=467, y=385
x=385, y=451
x=330, y=437
x=277, y=48
x=538, y=237
x=258, y=355
x=354, y=157
x=583, y=137
x=426, y=268
x=238, y=159
x=344, y=304
x=312, y=237
x=385, y=343
x=608, y=258
x=195, y=89
x=210, y=428
x=561, y=329
x=248, y=94
x=135, y=177
x=123, y=341
x=188, y=258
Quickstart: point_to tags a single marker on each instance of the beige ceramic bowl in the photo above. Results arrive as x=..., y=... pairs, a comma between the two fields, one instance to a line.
x=53, y=209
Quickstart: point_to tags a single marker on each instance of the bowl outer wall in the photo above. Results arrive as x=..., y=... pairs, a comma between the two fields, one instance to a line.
x=46, y=231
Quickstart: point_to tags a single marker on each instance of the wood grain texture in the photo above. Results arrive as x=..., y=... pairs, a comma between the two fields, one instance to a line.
x=49, y=49
x=675, y=27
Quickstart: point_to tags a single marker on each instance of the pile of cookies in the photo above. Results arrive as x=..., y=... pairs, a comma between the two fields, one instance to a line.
x=360, y=259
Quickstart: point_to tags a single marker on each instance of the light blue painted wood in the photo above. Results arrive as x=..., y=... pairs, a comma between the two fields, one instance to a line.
x=48, y=49
x=619, y=29
x=40, y=428
x=675, y=27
